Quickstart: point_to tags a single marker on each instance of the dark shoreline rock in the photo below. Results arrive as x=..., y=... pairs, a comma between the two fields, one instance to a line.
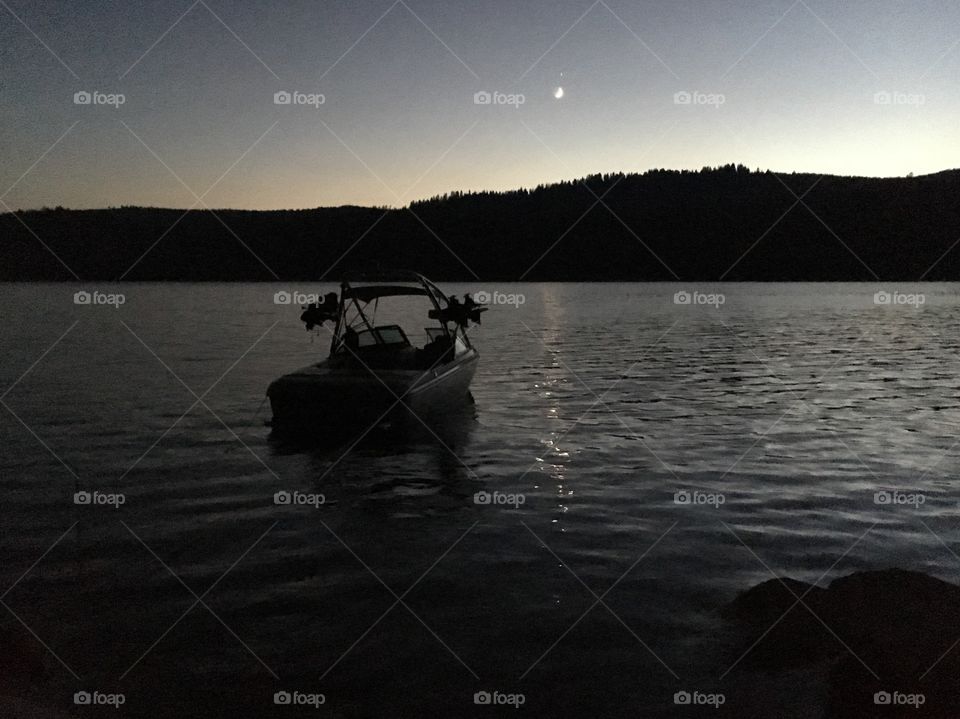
x=893, y=632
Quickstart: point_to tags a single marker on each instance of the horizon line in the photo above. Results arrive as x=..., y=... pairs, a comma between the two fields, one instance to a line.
x=527, y=188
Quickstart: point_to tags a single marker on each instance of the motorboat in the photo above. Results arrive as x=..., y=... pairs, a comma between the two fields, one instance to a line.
x=375, y=369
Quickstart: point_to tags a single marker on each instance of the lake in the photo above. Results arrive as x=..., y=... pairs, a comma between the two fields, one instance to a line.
x=646, y=455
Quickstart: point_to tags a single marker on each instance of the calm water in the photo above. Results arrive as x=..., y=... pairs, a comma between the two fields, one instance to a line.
x=401, y=596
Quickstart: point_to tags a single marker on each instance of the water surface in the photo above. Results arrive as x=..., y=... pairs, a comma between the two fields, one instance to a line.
x=793, y=404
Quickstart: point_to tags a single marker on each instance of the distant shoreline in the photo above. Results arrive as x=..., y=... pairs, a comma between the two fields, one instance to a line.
x=720, y=224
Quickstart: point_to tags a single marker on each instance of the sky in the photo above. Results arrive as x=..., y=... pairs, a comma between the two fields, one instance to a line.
x=397, y=100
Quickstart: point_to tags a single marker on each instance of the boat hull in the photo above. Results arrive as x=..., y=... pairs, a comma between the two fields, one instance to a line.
x=320, y=399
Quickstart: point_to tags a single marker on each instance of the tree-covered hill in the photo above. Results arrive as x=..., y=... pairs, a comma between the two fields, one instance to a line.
x=724, y=223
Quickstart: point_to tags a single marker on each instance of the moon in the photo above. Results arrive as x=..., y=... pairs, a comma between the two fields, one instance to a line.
x=558, y=93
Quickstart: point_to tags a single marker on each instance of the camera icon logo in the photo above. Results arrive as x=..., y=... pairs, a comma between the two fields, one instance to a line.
x=282, y=497
x=882, y=298
x=82, y=98
x=482, y=698
x=82, y=698
x=882, y=497
x=682, y=98
x=82, y=298
x=882, y=98
x=482, y=498
x=282, y=98
x=82, y=497
x=482, y=297
x=681, y=497
x=882, y=698
x=282, y=698
x=282, y=298
x=682, y=298
x=482, y=98
x=682, y=697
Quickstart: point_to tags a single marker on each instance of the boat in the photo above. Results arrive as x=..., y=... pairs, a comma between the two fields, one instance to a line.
x=375, y=370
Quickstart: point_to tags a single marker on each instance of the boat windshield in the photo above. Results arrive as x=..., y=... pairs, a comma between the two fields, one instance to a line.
x=389, y=335
x=385, y=318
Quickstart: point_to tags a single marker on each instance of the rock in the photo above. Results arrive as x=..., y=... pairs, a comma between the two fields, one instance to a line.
x=765, y=602
x=770, y=610
x=891, y=632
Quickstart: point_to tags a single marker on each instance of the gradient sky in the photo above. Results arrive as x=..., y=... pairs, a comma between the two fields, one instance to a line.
x=399, y=122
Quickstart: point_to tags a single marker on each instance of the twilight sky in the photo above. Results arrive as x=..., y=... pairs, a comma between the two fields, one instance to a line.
x=771, y=83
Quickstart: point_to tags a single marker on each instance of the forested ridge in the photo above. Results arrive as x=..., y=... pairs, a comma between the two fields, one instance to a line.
x=726, y=223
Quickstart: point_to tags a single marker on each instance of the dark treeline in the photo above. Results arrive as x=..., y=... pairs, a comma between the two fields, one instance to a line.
x=701, y=226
